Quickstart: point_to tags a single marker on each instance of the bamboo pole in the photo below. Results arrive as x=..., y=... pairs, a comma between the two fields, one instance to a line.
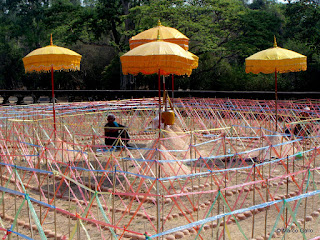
x=54, y=204
x=29, y=217
x=211, y=179
x=314, y=165
x=157, y=166
x=78, y=225
x=48, y=193
x=3, y=202
x=253, y=197
x=69, y=198
x=3, y=207
x=218, y=212
x=305, y=206
x=225, y=185
x=113, y=196
x=192, y=166
x=266, y=214
x=287, y=191
x=15, y=198
x=39, y=180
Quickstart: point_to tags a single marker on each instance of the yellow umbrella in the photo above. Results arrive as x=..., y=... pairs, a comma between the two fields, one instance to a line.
x=159, y=57
x=274, y=60
x=163, y=58
x=167, y=34
x=52, y=58
x=151, y=57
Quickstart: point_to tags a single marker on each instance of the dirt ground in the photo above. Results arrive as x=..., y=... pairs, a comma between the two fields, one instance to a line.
x=135, y=208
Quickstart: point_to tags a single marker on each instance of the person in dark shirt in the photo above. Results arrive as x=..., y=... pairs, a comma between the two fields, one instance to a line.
x=303, y=128
x=113, y=131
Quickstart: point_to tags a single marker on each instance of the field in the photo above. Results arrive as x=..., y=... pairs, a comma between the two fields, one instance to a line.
x=226, y=169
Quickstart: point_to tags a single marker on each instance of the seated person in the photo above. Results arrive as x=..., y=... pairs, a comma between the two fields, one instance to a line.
x=301, y=129
x=113, y=131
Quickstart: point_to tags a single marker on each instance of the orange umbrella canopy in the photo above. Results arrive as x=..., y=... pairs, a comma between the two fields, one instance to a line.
x=276, y=59
x=167, y=34
x=46, y=58
x=151, y=57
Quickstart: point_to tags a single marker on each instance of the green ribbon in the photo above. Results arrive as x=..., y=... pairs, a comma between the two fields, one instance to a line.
x=225, y=203
x=295, y=220
x=105, y=218
x=277, y=219
x=35, y=218
x=208, y=213
x=17, y=214
x=2, y=197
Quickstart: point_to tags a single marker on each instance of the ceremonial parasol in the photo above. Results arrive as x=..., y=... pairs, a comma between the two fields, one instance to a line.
x=163, y=58
x=52, y=58
x=274, y=60
x=159, y=57
x=166, y=34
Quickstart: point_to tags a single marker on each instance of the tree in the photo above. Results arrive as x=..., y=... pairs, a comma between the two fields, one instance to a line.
x=210, y=25
x=302, y=31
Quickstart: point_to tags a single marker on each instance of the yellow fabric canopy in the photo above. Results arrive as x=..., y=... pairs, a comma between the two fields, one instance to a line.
x=151, y=57
x=276, y=59
x=52, y=58
x=43, y=59
x=166, y=34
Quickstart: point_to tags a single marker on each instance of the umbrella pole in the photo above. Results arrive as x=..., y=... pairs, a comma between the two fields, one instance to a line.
x=164, y=92
x=159, y=93
x=276, y=97
x=53, y=101
x=172, y=86
x=158, y=163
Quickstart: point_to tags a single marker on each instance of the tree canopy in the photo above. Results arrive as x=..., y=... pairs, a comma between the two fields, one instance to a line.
x=222, y=34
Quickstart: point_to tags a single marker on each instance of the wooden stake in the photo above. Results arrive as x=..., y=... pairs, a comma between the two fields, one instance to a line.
x=286, y=221
x=314, y=165
x=39, y=180
x=224, y=224
x=305, y=206
x=54, y=204
x=3, y=207
x=192, y=166
x=29, y=217
x=15, y=198
x=3, y=201
x=158, y=174
x=69, y=197
x=266, y=215
x=48, y=195
x=225, y=185
x=270, y=149
x=113, y=196
x=211, y=196
x=78, y=225
x=253, y=197
x=218, y=212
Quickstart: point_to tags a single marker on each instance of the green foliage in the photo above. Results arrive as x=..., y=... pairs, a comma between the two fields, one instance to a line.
x=221, y=32
x=256, y=32
x=110, y=75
